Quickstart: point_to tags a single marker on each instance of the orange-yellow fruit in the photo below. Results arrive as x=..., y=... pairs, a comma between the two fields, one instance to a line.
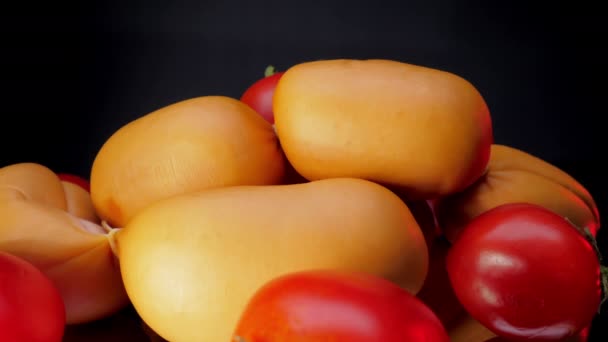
x=195, y=144
x=78, y=202
x=516, y=176
x=51, y=224
x=423, y=130
x=191, y=262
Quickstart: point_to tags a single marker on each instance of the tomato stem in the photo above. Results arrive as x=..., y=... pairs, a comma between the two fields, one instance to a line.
x=603, y=269
x=270, y=70
x=239, y=339
x=604, y=281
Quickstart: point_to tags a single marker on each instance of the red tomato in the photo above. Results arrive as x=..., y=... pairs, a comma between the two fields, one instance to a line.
x=259, y=95
x=31, y=308
x=339, y=307
x=83, y=183
x=526, y=273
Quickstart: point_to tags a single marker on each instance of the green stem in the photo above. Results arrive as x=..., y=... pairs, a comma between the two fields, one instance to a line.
x=270, y=70
x=239, y=339
x=604, y=281
x=603, y=269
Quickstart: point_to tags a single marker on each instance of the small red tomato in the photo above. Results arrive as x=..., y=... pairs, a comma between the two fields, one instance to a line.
x=83, y=183
x=31, y=308
x=259, y=95
x=336, y=306
x=526, y=273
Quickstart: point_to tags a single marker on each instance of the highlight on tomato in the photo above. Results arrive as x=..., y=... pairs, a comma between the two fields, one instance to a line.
x=327, y=305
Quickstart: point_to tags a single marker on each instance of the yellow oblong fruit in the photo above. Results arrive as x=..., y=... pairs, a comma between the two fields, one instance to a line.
x=516, y=176
x=51, y=224
x=425, y=131
x=195, y=144
x=191, y=262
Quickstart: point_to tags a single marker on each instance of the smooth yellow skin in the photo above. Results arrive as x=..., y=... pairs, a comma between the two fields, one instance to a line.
x=195, y=144
x=78, y=202
x=51, y=224
x=191, y=263
x=423, y=130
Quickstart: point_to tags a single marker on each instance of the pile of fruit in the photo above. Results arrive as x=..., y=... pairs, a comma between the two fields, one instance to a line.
x=339, y=200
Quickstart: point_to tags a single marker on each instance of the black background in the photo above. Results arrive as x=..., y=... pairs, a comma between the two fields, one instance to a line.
x=74, y=73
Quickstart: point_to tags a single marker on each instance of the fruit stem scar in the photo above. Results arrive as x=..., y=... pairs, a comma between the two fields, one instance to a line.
x=106, y=226
x=111, y=238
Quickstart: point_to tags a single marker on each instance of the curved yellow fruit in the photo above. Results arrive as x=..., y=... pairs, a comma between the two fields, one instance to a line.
x=517, y=176
x=191, y=262
x=195, y=144
x=423, y=130
x=51, y=224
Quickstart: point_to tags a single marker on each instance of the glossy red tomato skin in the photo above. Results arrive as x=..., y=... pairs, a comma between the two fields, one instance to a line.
x=525, y=273
x=315, y=306
x=83, y=183
x=582, y=336
x=31, y=308
x=259, y=95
